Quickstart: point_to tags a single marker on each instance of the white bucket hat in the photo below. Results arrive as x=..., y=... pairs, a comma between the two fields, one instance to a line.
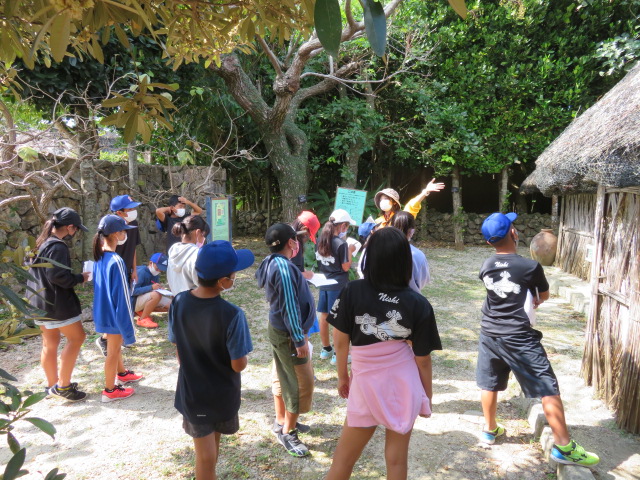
x=341, y=216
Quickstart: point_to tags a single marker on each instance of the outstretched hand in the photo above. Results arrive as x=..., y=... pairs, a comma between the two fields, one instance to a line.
x=433, y=187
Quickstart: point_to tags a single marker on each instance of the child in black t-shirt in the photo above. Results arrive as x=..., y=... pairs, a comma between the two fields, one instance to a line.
x=213, y=340
x=509, y=343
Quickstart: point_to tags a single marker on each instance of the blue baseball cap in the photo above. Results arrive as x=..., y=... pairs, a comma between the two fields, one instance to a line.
x=121, y=202
x=365, y=229
x=219, y=259
x=497, y=225
x=161, y=260
x=113, y=223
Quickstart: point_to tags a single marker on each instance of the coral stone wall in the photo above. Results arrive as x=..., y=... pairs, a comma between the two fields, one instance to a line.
x=153, y=189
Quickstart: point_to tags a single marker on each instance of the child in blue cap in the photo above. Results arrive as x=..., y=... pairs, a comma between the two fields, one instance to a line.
x=146, y=297
x=112, y=312
x=213, y=341
x=508, y=342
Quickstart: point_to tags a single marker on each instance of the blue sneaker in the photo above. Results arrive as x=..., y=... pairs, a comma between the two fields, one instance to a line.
x=489, y=437
x=334, y=359
x=324, y=354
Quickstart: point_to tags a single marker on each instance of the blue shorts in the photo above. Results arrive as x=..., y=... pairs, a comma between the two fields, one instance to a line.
x=326, y=299
x=522, y=354
x=53, y=324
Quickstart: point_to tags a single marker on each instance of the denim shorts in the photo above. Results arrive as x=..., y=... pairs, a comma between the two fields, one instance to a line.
x=52, y=324
x=522, y=354
x=326, y=299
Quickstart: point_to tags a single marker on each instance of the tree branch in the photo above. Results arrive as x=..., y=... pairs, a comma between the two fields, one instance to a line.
x=329, y=82
x=241, y=88
x=270, y=55
x=349, y=14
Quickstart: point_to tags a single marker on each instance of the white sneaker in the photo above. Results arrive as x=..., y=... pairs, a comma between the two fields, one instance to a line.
x=334, y=360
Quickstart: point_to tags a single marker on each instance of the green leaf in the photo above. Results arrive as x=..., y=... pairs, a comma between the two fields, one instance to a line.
x=33, y=399
x=43, y=425
x=13, y=467
x=54, y=475
x=7, y=375
x=15, y=300
x=28, y=154
x=60, y=30
x=14, y=445
x=375, y=23
x=460, y=7
x=328, y=21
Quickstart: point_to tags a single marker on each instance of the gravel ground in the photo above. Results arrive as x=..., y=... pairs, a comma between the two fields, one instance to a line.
x=142, y=438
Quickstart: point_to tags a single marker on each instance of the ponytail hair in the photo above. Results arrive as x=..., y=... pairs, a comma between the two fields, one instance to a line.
x=327, y=233
x=189, y=224
x=98, y=239
x=46, y=232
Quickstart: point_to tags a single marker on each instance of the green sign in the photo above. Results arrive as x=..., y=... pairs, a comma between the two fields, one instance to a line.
x=352, y=201
x=219, y=218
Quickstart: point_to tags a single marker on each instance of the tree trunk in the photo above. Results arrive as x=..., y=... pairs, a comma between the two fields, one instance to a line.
x=459, y=218
x=503, y=205
x=133, y=166
x=288, y=151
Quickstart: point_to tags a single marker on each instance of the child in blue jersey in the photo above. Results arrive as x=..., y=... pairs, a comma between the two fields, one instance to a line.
x=213, y=341
x=145, y=296
x=112, y=312
x=290, y=317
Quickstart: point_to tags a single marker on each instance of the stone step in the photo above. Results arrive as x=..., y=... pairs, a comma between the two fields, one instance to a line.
x=573, y=289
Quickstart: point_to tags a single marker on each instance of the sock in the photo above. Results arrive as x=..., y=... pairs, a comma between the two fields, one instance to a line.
x=63, y=388
x=122, y=374
x=109, y=390
x=327, y=349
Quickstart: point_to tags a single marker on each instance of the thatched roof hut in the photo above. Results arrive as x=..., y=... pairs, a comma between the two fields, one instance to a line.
x=594, y=166
x=600, y=147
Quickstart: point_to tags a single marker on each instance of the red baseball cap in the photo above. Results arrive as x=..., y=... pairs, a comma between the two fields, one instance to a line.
x=310, y=221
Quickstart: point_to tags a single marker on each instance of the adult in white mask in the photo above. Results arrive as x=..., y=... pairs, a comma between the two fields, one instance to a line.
x=176, y=212
x=388, y=201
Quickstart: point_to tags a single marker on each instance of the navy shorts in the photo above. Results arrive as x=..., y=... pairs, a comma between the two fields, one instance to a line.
x=326, y=299
x=522, y=354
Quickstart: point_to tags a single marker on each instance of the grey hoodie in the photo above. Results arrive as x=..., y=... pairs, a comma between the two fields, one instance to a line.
x=292, y=304
x=181, y=269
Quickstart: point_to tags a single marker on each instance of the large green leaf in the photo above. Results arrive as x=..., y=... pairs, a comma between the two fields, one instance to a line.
x=13, y=467
x=328, y=21
x=14, y=444
x=7, y=375
x=375, y=23
x=460, y=7
x=35, y=398
x=43, y=425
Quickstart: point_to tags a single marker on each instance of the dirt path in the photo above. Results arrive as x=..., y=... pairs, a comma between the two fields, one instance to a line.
x=142, y=438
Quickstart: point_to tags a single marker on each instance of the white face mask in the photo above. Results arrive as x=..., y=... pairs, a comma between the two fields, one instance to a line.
x=233, y=285
x=180, y=212
x=342, y=234
x=385, y=204
x=154, y=272
x=122, y=242
x=131, y=216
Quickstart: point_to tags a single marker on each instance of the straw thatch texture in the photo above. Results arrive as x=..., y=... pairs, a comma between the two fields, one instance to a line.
x=611, y=359
x=601, y=146
x=575, y=234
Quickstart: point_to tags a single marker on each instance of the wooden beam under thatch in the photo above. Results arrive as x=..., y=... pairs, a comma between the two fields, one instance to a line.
x=601, y=146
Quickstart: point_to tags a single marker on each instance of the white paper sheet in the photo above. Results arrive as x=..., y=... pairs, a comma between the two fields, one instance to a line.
x=320, y=279
x=166, y=293
x=87, y=266
x=353, y=241
x=528, y=308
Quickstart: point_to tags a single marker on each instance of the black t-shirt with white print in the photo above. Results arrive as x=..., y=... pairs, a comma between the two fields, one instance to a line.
x=331, y=266
x=369, y=316
x=507, y=279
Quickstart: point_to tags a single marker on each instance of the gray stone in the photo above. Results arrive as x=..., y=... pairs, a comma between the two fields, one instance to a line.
x=537, y=419
x=574, y=472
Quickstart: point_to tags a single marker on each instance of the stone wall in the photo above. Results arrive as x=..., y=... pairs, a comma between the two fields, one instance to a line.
x=153, y=189
x=439, y=227
x=434, y=226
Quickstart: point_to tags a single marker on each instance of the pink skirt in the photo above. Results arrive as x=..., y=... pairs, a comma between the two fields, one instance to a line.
x=385, y=387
